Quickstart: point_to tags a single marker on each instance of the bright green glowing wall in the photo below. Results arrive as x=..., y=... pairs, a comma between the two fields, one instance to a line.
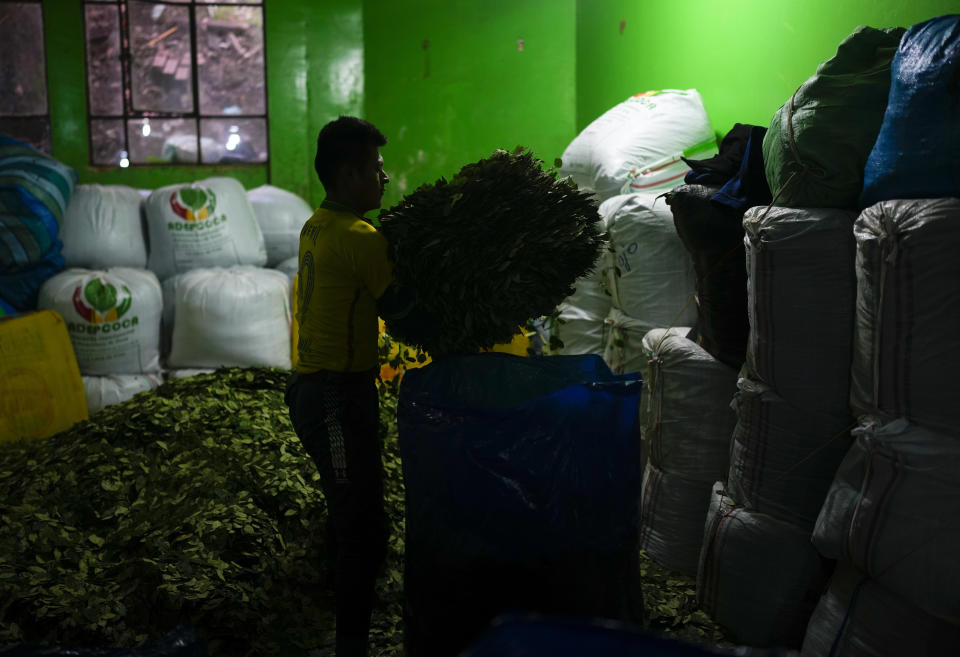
x=448, y=82
x=746, y=57
x=314, y=57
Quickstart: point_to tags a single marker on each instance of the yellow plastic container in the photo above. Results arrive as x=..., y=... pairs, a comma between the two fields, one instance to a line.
x=41, y=392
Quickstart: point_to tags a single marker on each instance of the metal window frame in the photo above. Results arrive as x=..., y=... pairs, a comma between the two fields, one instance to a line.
x=46, y=68
x=127, y=88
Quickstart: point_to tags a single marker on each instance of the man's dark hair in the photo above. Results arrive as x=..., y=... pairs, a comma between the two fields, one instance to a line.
x=345, y=141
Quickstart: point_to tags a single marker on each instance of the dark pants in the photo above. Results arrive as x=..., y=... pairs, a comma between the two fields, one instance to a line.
x=336, y=417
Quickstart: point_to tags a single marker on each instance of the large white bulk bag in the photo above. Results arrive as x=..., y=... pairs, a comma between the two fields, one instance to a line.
x=801, y=295
x=648, y=128
x=905, y=359
x=102, y=391
x=580, y=322
x=623, y=349
x=230, y=317
x=209, y=223
x=685, y=415
x=289, y=267
x=759, y=577
x=671, y=519
x=281, y=215
x=783, y=458
x=103, y=228
x=113, y=318
x=893, y=511
x=857, y=617
x=654, y=279
x=187, y=373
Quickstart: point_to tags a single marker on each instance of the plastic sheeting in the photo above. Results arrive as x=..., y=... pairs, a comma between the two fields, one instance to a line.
x=103, y=391
x=208, y=223
x=759, y=577
x=783, y=458
x=801, y=298
x=582, y=314
x=915, y=154
x=857, y=617
x=522, y=493
x=672, y=509
x=229, y=317
x=892, y=512
x=818, y=142
x=281, y=215
x=654, y=279
x=713, y=235
x=104, y=227
x=685, y=415
x=632, y=136
x=905, y=359
x=113, y=318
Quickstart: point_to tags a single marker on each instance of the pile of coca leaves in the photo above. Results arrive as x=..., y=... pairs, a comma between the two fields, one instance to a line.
x=196, y=503
x=500, y=243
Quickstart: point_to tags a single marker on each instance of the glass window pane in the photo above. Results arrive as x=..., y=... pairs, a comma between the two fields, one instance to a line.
x=35, y=132
x=160, y=74
x=155, y=141
x=106, y=141
x=23, y=80
x=104, y=73
x=233, y=140
x=230, y=60
x=230, y=2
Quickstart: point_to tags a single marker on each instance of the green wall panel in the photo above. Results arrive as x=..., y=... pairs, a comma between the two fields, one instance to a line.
x=746, y=57
x=447, y=82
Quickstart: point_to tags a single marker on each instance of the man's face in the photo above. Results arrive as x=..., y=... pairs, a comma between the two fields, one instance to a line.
x=368, y=182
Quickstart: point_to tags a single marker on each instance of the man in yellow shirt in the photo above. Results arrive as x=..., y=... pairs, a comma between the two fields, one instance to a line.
x=344, y=272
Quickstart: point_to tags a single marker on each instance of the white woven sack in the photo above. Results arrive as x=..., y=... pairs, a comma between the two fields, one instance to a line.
x=685, y=415
x=893, y=511
x=112, y=316
x=905, y=359
x=209, y=223
x=623, y=349
x=103, y=228
x=668, y=172
x=783, y=458
x=289, y=267
x=654, y=280
x=642, y=130
x=281, y=215
x=230, y=317
x=801, y=291
x=759, y=577
x=582, y=314
x=187, y=373
x=671, y=519
x=857, y=617
x=103, y=391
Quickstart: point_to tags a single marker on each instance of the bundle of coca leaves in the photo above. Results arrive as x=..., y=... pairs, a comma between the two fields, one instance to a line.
x=500, y=243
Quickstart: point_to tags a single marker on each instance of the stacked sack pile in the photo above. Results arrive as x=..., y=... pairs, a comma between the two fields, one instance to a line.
x=891, y=514
x=644, y=280
x=759, y=574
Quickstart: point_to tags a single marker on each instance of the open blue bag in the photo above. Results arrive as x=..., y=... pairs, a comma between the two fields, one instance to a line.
x=523, y=485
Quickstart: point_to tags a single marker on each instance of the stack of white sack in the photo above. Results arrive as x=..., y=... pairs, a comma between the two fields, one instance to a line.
x=113, y=319
x=228, y=317
x=652, y=281
x=637, y=145
x=103, y=228
x=685, y=426
x=579, y=326
x=281, y=216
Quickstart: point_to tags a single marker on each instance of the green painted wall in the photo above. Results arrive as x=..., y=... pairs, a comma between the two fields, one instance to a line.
x=470, y=89
x=746, y=57
x=314, y=57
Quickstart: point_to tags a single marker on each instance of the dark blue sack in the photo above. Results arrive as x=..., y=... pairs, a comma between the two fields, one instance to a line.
x=915, y=155
x=522, y=484
x=22, y=289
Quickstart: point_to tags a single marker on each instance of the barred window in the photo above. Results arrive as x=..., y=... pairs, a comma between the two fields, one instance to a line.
x=24, y=112
x=182, y=81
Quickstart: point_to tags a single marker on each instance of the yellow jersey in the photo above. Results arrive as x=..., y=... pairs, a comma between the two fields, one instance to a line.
x=343, y=270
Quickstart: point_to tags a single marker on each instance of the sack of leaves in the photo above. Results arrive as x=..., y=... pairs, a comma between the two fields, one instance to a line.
x=501, y=242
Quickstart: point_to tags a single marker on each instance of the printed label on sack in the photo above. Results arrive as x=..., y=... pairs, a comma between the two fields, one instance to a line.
x=105, y=332
x=198, y=231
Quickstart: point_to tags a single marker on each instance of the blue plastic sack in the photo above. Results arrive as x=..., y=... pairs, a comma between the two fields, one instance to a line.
x=6, y=309
x=915, y=155
x=181, y=641
x=523, y=485
x=21, y=290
